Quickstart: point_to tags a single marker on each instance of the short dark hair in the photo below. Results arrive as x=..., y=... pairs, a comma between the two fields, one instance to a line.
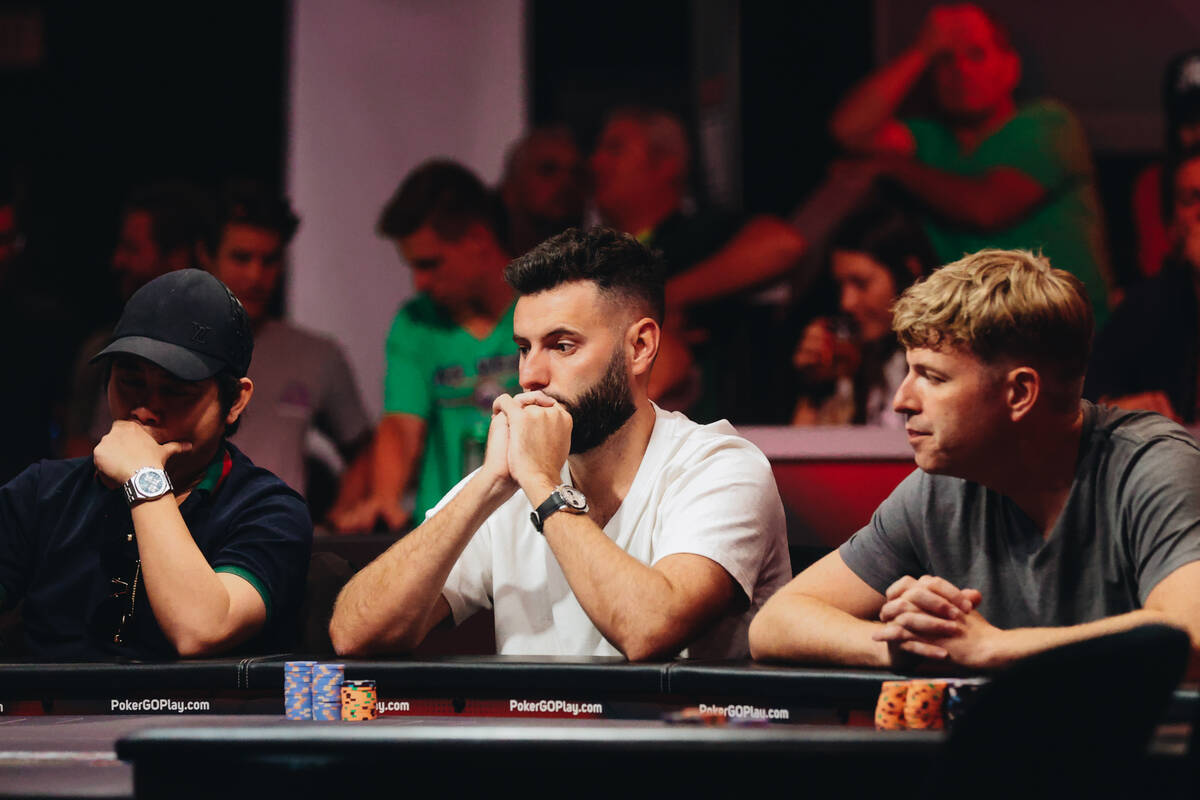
x=889, y=235
x=616, y=262
x=245, y=202
x=177, y=214
x=444, y=195
x=665, y=132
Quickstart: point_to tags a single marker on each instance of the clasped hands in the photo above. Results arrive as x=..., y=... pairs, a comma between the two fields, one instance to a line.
x=528, y=442
x=932, y=618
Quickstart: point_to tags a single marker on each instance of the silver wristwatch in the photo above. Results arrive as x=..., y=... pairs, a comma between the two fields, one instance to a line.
x=563, y=498
x=148, y=483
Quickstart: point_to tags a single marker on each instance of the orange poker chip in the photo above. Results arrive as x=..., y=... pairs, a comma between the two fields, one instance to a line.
x=889, y=710
x=923, y=705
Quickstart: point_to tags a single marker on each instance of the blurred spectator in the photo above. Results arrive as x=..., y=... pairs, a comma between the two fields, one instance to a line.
x=161, y=229
x=1147, y=357
x=10, y=236
x=640, y=171
x=542, y=187
x=1181, y=103
x=35, y=344
x=851, y=366
x=990, y=174
x=450, y=351
x=161, y=226
x=302, y=381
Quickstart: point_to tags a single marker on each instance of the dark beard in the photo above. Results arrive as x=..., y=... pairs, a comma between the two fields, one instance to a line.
x=602, y=409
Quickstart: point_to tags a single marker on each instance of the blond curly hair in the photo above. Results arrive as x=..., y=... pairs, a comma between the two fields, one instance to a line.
x=1005, y=306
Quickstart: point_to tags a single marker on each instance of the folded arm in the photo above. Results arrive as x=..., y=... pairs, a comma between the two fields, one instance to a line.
x=864, y=121
x=977, y=644
x=200, y=611
x=765, y=248
x=644, y=611
x=992, y=201
x=396, y=600
x=825, y=615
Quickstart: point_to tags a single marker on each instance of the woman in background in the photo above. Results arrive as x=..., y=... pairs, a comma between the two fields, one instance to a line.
x=851, y=365
x=1181, y=105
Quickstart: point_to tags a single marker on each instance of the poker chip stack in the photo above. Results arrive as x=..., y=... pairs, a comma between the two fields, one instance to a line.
x=327, y=691
x=358, y=700
x=297, y=689
x=923, y=705
x=889, y=711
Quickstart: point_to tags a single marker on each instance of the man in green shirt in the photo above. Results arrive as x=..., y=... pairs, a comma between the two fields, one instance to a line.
x=989, y=174
x=450, y=351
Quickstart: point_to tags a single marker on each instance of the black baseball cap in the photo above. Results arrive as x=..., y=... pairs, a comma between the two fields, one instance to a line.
x=186, y=322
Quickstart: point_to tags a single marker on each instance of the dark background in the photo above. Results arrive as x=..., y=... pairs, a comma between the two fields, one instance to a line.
x=123, y=94
x=127, y=94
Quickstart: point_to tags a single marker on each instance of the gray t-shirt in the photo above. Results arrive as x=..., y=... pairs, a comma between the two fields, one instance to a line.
x=1132, y=518
x=301, y=381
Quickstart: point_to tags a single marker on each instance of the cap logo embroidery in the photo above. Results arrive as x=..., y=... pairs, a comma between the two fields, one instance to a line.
x=200, y=333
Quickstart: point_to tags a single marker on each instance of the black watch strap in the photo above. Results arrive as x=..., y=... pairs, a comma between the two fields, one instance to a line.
x=564, y=498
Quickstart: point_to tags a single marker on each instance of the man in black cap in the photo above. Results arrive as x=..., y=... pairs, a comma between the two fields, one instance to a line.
x=167, y=541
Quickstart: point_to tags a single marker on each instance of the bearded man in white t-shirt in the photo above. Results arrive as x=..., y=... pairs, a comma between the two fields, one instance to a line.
x=598, y=524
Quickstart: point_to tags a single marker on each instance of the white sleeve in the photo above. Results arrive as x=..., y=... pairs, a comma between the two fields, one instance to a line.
x=724, y=505
x=469, y=586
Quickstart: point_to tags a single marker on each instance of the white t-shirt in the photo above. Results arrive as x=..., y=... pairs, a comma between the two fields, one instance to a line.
x=700, y=489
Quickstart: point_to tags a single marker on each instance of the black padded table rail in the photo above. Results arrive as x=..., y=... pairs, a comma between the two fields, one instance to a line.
x=641, y=690
x=486, y=673
x=84, y=676
x=856, y=687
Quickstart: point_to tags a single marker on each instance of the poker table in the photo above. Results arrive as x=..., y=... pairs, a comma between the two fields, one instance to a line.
x=104, y=729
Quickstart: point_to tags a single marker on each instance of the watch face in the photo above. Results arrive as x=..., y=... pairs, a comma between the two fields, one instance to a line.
x=573, y=497
x=151, y=483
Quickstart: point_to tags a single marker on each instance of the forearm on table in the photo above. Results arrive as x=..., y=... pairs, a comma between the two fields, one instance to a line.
x=390, y=605
x=766, y=247
x=191, y=602
x=636, y=607
x=1018, y=643
x=800, y=628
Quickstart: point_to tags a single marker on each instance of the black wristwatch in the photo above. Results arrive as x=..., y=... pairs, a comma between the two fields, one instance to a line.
x=564, y=498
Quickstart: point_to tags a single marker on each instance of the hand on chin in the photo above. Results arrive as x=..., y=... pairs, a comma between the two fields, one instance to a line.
x=128, y=447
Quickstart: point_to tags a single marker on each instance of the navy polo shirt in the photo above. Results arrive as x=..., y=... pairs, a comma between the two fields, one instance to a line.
x=64, y=536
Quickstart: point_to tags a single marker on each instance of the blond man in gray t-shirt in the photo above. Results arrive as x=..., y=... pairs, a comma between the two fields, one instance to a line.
x=1035, y=519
